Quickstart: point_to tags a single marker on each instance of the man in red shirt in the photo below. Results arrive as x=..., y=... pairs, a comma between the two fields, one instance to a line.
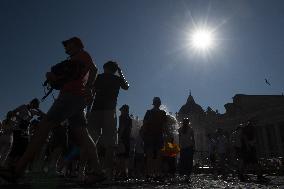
x=70, y=104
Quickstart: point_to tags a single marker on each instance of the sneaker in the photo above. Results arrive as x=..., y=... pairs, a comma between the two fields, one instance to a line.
x=8, y=174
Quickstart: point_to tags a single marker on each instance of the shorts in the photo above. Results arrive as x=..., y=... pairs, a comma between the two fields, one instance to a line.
x=102, y=126
x=68, y=106
x=153, y=143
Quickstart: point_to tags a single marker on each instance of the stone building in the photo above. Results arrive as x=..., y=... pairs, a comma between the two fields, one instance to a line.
x=203, y=122
x=267, y=112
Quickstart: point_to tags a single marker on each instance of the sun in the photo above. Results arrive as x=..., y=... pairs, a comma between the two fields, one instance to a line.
x=201, y=39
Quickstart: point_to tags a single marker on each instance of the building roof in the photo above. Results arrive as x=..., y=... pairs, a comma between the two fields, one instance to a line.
x=191, y=107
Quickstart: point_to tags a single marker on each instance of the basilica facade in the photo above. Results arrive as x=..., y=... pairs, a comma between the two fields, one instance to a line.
x=266, y=112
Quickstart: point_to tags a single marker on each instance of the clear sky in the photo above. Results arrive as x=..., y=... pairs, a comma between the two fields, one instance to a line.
x=149, y=40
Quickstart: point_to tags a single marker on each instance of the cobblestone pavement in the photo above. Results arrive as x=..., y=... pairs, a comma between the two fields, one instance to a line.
x=34, y=181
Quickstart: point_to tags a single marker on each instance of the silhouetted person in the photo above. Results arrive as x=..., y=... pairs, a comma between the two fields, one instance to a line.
x=212, y=142
x=221, y=151
x=102, y=119
x=8, y=126
x=23, y=115
x=236, y=143
x=28, y=111
x=170, y=152
x=187, y=147
x=57, y=146
x=124, y=132
x=248, y=152
x=69, y=105
x=139, y=157
x=154, y=124
x=6, y=138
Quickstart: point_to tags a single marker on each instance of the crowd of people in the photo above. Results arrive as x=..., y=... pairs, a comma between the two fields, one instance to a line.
x=79, y=134
x=235, y=152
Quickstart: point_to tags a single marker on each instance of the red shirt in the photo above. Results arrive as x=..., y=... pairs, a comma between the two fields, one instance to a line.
x=77, y=87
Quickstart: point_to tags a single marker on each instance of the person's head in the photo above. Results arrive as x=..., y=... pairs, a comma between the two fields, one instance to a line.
x=34, y=103
x=124, y=109
x=73, y=45
x=110, y=67
x=157, y=102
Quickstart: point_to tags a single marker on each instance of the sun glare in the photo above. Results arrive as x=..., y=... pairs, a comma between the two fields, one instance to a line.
x=201, y=40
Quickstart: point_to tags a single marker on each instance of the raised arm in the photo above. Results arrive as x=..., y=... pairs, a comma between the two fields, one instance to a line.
x=124, y=83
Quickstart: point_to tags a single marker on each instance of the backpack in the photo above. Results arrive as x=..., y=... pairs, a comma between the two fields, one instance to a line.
x=67, y=71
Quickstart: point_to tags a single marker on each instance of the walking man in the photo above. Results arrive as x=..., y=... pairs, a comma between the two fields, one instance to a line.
x=69, y=105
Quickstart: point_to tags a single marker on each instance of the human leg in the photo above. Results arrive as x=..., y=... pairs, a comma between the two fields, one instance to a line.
x=34, y=146
x=63, y=108
x=109, y=140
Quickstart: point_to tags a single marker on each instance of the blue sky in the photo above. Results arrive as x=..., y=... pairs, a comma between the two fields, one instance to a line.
x=148, y=39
